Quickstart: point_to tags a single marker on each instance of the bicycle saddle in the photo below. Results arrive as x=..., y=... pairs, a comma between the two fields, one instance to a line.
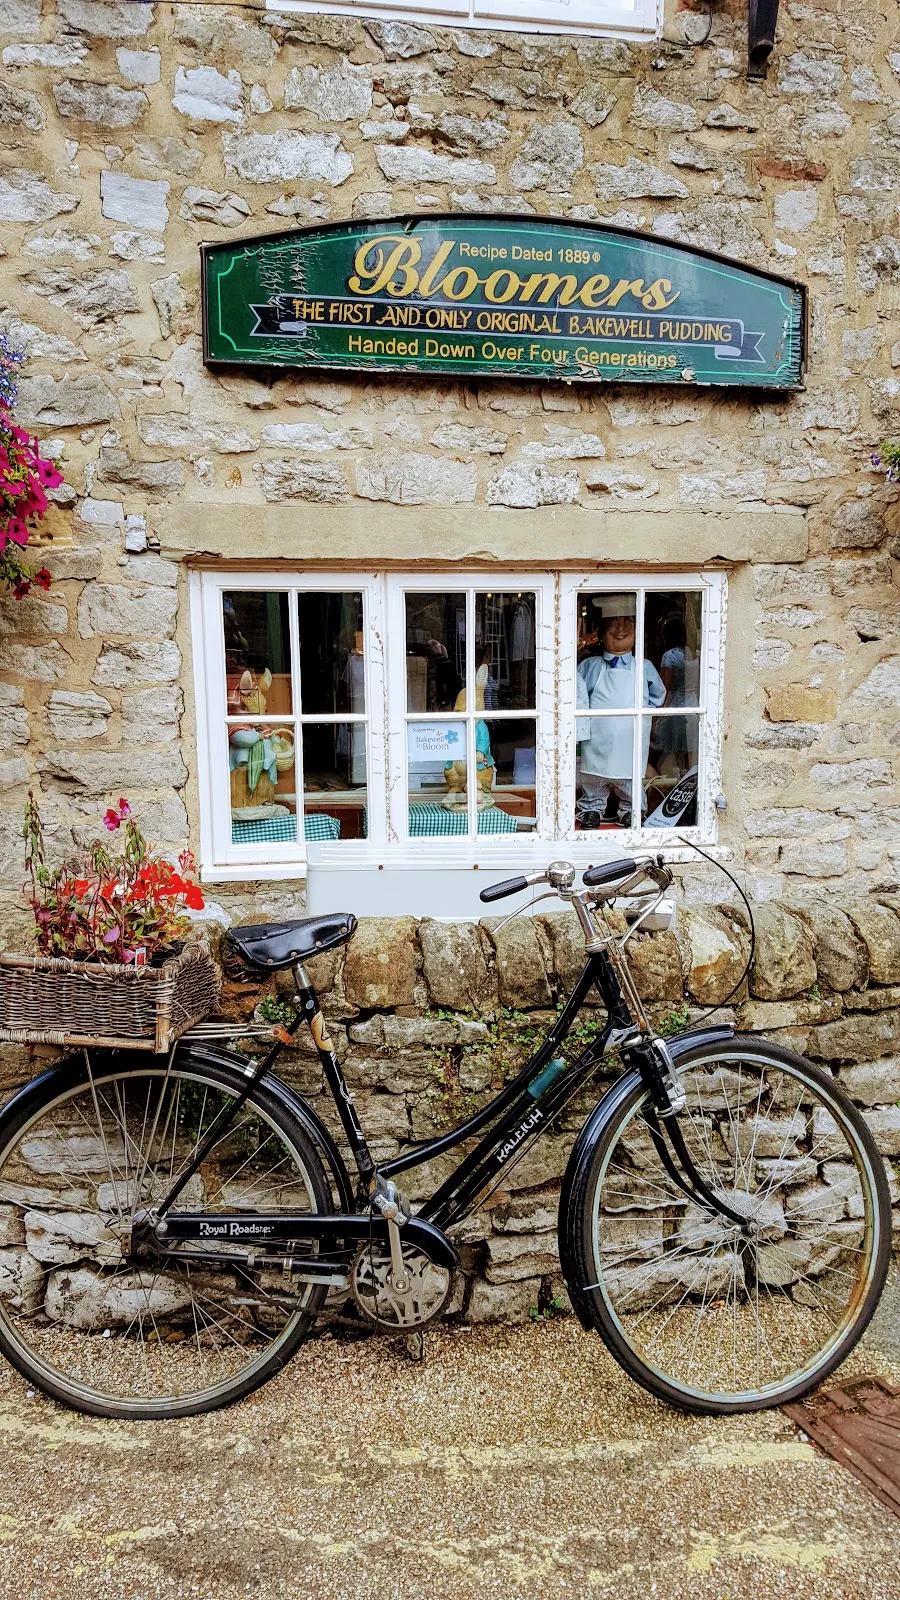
x=280, y=944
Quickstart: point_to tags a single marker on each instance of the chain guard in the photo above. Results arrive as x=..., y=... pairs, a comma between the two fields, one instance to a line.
x=372, y=1288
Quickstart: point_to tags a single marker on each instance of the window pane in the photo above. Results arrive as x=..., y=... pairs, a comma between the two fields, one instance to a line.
x=506, y=772
x=332, y=677
x=605, y=651
x=262, y=782
x=435, y=651
x=603, y=776
x=672, y=638
x=505, y=644
x=335, y=794
x=257, y=653
x=672, y=772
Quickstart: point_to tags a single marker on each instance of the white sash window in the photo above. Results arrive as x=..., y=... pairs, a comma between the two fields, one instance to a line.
x=622, y=18
x=386, y=722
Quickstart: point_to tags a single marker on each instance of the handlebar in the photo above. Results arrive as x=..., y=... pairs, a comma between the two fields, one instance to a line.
x=499, y=891
x=622, y=875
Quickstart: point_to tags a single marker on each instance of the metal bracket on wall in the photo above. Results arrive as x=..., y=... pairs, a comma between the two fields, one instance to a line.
x=762, y=19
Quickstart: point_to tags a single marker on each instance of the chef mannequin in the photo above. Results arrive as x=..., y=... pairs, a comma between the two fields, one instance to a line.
x=606, y=682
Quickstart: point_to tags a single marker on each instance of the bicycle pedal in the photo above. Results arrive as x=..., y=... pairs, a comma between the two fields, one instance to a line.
x=415, y=1344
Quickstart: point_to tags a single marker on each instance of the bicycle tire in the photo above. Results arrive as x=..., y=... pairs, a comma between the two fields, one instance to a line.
x=50, y=1351
x=666, y=1256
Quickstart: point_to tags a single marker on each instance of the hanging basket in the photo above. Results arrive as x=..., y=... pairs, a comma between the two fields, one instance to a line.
x=52, y=1000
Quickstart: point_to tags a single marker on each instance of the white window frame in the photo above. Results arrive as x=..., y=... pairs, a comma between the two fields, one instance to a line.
x=625, y=19
x=386, y=717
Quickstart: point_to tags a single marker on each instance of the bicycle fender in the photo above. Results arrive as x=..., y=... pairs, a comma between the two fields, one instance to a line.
x=583, y=1149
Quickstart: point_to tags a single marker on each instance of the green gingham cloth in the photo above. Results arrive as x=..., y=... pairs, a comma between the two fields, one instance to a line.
x=437, y=822
x=425, y=822
x=318, y=827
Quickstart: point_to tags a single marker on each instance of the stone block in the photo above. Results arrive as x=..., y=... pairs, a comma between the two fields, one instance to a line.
x=286, y=478
x=880, y=689
x=500, y=1302
x=125, y=666
x=794, y=702
x=20, y=109
x=858, y=775
x=380, y=963
x=114, y=609
x=879, y=929
x=521, y=974
x=334, y=94
x=128, y=245
x=784, y=963
x=525, y=488
x=635, y=180
x=655, y=961
x=141, y=202
x=514, y=1256
x=90, y=297
x=157, y=477
x=210, y=205
x=813, y=859
x=413, y=165
x=103, y=104
x=205, y=95
x=175, y=307
x=139, y=66
x=73, y=716
x=857, y=525
x=28, y=197
x=22, y=1281
x=286, y=155
x=884, y=1126
x=151, y=716
x=107, y=19
x=97, y=772
x=653, y=111
x=716, y=953
x=527, y=1213
x=874, y=1083
x=856, y=1038
x=565, y=941
x=550, y=158
x=841, y=959
x=410, y=479
x=48, y=663
x=455, y=967
x=32, y=616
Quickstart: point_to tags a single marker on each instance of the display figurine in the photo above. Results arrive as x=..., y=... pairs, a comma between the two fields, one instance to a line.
x=455, y=772
x=605, y=682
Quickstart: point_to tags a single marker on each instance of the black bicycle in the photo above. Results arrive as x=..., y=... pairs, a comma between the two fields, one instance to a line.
x=172, y=1227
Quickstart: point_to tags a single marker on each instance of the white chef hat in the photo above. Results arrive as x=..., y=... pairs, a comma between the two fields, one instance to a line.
x=615, y=605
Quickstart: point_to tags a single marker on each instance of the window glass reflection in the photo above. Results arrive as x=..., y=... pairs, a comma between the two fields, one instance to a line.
x=257, y=653
x=435, y=651
x=505, y=644
x=335, y=793
x=332, y=666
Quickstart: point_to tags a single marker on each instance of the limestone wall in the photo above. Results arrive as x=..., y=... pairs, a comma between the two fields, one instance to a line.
x=132, y=132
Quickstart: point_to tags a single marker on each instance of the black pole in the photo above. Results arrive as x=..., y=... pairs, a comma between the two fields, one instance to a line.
x=762, y=19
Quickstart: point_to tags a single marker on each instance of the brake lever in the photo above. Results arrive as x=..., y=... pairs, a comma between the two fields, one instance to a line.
x=550, y=894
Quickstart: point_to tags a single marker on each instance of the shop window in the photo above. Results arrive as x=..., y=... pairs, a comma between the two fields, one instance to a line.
x=399, y=719
x=626, y=17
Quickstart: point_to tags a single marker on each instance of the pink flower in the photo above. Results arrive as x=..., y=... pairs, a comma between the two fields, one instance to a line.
x=124, y=810
x=111, y=820
x=48, y=473
x=112, y=937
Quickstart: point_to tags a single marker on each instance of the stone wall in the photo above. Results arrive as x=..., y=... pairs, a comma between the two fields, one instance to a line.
x=132, y=132
x=431, y=1018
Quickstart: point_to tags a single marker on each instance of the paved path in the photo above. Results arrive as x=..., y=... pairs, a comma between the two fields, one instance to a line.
x=516, y=1464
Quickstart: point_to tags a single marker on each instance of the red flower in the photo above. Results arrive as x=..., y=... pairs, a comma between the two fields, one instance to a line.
x=42, y=578
x=111, y=820
x=20, y=588
x=124, y=809
x=108, y=889
x=81, y=886
x=193, y=897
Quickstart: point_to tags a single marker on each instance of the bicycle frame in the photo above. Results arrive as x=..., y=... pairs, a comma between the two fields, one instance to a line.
x=515, y=1118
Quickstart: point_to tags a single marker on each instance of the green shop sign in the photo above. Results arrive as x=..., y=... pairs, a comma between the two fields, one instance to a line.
x=500, y=296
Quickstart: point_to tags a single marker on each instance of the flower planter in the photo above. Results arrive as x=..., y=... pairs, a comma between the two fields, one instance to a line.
x=46, y=1000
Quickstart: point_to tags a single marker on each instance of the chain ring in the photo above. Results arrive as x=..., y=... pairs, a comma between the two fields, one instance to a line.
x=370, y=1285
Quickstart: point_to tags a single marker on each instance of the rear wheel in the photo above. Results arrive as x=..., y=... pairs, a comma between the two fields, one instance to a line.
x=707, y=1315
x=84, y=1313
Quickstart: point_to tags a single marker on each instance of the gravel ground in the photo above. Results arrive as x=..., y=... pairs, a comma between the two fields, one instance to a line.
x=516, y=1463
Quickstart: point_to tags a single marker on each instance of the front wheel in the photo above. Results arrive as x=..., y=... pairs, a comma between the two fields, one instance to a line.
x=84, y=1313
x=708, y=1315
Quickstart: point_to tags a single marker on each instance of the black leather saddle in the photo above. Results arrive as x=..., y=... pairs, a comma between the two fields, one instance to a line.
x=280, y=944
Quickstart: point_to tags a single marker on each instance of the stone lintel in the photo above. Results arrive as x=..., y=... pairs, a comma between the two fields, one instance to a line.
x=572, y=535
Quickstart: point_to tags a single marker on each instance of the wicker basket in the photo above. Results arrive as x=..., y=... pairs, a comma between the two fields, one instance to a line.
x=47, y=1000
